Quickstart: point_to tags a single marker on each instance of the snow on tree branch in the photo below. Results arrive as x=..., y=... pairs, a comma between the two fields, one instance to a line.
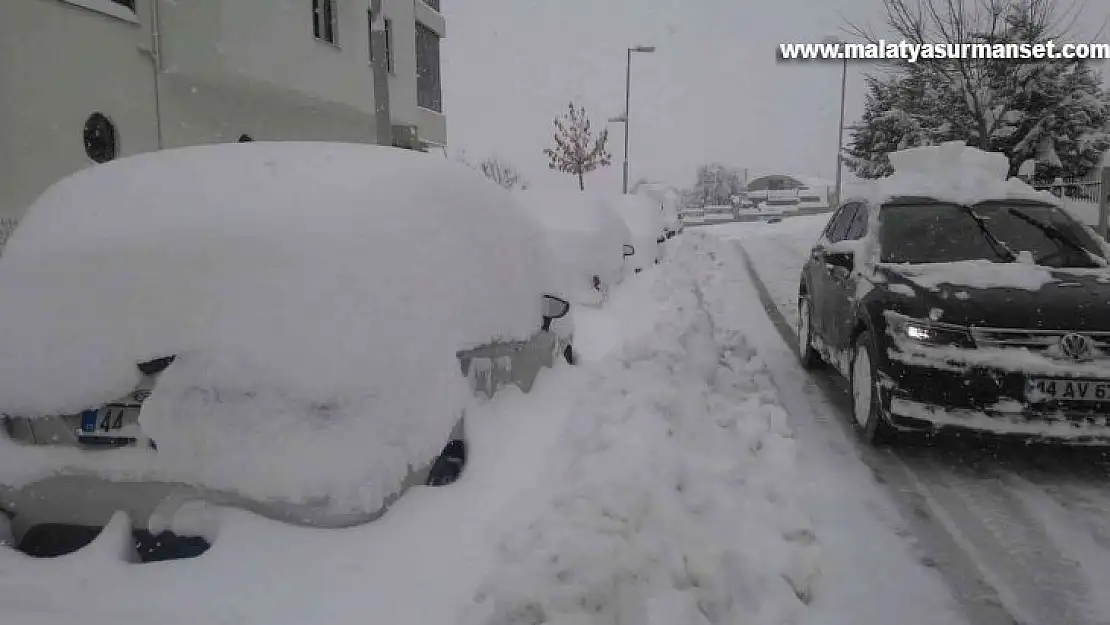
x=1053, y=111
x=577, y=151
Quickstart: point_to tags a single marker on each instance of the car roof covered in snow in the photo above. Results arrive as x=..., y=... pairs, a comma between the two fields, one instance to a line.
x=325, y=287
x=950, y=172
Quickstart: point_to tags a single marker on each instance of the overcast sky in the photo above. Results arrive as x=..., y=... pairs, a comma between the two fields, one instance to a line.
x=713, y=91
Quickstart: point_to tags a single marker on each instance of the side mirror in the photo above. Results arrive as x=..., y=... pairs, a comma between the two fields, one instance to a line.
x=553, y=308
x=844, y=260
x=629, y=250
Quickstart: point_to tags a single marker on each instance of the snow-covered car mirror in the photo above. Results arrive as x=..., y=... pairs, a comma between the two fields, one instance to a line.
x=629, y=250
x=554, y=308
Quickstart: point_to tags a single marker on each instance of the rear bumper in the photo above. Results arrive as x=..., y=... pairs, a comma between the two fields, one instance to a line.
x=987, y=400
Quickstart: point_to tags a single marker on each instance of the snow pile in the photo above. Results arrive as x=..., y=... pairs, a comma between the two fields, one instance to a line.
x=978, y=274
x=952, y=172
x=646, y=224
x=673, y=500
x=314, y=294
x=587, y=238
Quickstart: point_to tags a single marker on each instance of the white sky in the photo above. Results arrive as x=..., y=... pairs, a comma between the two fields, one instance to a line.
x=713, y=91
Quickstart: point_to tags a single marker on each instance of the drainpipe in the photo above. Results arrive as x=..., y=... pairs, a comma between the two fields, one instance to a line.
x=156, y=59
x=383, y=119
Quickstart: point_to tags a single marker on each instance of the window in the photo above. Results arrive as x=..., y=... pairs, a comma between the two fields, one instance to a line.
x=324, y=20
x=125, y=3
x=941, y=232
x=429, y=94
x=388, y=41
x=838, y=228
x=101, y=142
x=857, y=228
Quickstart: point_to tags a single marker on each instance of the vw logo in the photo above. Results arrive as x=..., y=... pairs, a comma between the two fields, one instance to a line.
x=1076, y=346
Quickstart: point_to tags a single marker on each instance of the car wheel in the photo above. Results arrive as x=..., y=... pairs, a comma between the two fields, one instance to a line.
x=448, y=467
x=809, y=356
x=867, y=411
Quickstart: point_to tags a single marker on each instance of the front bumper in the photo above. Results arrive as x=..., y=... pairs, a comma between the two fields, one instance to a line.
x=987, y=400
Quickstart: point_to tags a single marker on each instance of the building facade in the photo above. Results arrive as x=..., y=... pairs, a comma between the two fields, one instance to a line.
x=88, y=81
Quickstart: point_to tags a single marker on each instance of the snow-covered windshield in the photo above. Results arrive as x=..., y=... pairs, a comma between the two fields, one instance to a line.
x=938, y=233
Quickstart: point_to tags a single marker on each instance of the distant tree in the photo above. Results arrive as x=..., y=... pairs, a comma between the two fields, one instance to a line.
x=502, y=173
x=577, y=151
x=715, y=185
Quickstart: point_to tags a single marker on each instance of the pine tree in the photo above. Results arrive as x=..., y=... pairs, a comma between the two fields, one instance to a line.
x=1053, y=111
x=577, y=151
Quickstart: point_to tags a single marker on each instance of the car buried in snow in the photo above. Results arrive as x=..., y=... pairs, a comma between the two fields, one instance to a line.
x=293, y=329
x=990, y=316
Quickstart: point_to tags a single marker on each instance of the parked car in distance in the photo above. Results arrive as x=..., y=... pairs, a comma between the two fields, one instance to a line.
x=590, y=241
x=641, y=214
x=989, y=313
x=295, y=329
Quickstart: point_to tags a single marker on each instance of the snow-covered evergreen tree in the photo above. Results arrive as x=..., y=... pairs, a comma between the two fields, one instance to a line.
x=1053, y=111
x=577, y=151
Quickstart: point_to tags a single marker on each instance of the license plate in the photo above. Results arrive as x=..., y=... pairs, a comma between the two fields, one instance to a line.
x=112, y=422
x=1058, y=389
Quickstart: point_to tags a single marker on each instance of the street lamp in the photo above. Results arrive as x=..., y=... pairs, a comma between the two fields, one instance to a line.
x=840, y=127
x=627, y=100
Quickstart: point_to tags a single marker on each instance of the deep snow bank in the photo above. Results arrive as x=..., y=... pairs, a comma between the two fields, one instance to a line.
x=673, y=497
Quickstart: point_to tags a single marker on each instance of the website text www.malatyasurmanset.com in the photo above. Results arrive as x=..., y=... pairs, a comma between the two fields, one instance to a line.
x=913, y=52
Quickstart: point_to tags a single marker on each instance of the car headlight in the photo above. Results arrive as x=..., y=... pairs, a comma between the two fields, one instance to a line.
x=926, y=332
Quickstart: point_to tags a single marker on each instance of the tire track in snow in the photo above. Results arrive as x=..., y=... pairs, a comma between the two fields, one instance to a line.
x=1039, y=542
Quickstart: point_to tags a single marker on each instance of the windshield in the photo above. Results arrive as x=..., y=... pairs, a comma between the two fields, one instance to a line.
x=938, y=233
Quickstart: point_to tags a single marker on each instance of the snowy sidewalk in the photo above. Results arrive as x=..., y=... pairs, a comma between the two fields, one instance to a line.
x=672, y=499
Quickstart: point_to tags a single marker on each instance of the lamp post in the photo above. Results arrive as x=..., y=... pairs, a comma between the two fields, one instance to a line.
x=627, y=102
x=840, y=127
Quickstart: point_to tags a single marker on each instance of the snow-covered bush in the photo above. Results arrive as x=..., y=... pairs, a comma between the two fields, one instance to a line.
x=314, y=294
x=587, y=238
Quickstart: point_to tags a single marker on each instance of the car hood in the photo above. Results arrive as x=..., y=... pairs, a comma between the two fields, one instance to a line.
x=1074, y=299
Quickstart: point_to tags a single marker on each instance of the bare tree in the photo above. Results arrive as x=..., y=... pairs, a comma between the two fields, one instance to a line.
x=502, y=173
x=577, y=151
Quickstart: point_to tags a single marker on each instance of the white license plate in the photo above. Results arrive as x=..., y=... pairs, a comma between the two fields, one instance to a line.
x=1059, y=389
x=114, y=421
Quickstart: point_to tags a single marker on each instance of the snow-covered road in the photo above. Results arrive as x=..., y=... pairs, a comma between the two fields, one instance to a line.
x=1022, y=534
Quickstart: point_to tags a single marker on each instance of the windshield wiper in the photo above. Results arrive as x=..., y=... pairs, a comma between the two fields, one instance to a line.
x=1054, y=233
x=998, y=246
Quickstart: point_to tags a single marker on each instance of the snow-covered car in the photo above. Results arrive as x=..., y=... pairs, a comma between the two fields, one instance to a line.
x=951, y=297
x=294, y=329
x=589, y=239
x=646, y=225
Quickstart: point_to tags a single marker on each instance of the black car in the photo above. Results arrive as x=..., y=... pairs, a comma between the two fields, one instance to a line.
x=992, y=317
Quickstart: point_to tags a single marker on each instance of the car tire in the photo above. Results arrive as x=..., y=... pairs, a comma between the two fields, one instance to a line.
x=867, y=409
x=808, y=356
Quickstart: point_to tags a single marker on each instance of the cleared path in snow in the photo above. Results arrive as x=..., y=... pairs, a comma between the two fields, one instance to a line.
x=1021, y=533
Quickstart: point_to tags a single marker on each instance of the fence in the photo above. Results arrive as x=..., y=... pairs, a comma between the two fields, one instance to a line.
x=1087, y=198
